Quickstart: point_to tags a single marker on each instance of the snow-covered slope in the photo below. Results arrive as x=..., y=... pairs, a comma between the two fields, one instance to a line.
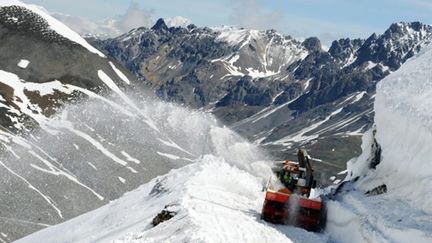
x=258, y=54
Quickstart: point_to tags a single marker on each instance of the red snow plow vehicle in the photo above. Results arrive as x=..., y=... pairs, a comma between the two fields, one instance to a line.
x=291, y=204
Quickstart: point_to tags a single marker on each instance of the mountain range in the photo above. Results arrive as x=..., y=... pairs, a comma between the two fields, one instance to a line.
x=278, y=92
x=80, y=125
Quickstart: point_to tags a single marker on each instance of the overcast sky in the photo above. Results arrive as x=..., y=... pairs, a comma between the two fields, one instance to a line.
x=327, y=19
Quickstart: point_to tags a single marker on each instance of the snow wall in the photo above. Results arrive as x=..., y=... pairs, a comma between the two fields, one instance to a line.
x=403, y=117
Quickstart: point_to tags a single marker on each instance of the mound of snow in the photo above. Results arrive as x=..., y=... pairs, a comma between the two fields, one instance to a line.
x=55, y=25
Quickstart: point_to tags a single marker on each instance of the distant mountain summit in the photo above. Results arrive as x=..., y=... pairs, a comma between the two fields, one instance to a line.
x=398, y=43
x=160, y=25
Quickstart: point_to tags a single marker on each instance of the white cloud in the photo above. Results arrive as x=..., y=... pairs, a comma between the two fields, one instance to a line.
x=135, y=17
x=83, y=26
x=252, y=14
x=178, y=21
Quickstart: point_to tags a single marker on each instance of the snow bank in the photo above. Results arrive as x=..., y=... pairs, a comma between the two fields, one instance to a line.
x=55, y=25
x=404, y=129
x=403, y=117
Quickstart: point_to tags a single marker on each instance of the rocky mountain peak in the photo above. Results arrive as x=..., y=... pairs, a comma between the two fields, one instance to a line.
x=398, y=43
x=191, y=27
x=312, y=44
x=371, y=38
x=160, y=25
x=344, y=50
x=403, y=27
x=408, y=29
x=267, y=82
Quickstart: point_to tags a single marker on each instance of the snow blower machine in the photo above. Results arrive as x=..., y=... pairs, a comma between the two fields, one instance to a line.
x=291, y=204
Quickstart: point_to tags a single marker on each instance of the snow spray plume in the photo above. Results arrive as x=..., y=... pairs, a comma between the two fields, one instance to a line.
x=293, y=208
x=94, y=151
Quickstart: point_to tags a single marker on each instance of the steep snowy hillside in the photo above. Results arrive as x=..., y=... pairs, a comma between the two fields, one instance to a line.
x=73, y=136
